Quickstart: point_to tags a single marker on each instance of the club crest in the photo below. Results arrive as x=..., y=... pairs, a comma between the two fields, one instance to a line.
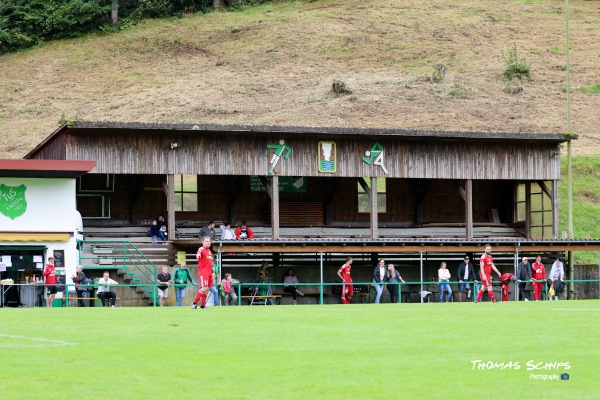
x=13, y=202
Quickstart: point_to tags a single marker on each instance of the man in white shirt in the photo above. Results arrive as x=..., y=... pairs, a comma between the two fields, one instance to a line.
x=105, y=292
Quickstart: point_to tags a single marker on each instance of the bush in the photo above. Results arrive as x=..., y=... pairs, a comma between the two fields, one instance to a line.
x=515, y=68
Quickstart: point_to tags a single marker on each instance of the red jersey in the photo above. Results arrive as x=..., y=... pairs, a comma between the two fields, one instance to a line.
x=205, y=262
x=487, y=261
x=537, y=271
x=50, y=279
x=345, y=271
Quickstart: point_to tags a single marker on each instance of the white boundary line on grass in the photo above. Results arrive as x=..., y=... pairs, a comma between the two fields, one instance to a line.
x=42, y=341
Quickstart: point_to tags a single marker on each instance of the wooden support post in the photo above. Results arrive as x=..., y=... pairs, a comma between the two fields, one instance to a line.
x=555, y=225
x=528, y=210
x=373, y=201
x=171, y=205
x=275, y=205
x=469, y=209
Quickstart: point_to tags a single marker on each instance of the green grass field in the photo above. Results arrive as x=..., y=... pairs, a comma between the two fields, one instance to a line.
x=309, y=352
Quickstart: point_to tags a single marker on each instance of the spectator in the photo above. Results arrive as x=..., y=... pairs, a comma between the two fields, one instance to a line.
x=556, y=277
x=229, y=293
x=82, y=291
x=244, y=232
x=104, y=292
x=226, y=232
x=538, y=276
x=154, y=231
x=523, y=276
x=214, y=290
x=208, y=230
x=465, y=276
x=444, y=278
x=50, y=275
x=161, y=222
x=182, y=276
x=379, y=278
x=392, y=279
x=289, y=282
x=163, y=281
x=505, y=279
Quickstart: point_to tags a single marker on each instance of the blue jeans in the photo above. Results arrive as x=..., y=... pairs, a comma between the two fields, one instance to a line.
x=445, y=286
x=179, y=295
x=153, y=239
x=215, y=292
x=379, y=289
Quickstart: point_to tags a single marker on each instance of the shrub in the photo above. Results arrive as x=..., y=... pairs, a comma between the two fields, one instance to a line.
x=515, y=68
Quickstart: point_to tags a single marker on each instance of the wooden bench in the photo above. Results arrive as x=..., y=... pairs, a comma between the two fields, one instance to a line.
x=300, y=213
x=325, y=294
x=82, y=298
x=275, y=297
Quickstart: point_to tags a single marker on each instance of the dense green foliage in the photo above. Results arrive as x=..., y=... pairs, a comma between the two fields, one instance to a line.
x=586, y=202
x=25, y=23
x=385, y=351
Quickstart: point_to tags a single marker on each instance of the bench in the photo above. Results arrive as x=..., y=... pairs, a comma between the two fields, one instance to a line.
x=251, y=299
x=75, y=299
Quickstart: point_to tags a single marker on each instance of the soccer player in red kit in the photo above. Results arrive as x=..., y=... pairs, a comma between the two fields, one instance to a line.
x=486, y=265
x=538, y=273
x=205, y=271
x=347, y=287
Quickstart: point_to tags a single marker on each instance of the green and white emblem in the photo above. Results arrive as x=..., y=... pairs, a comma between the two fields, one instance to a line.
x=13, y=202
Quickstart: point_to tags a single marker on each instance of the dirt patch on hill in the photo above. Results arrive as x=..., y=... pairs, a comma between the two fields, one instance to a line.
x=276, y=64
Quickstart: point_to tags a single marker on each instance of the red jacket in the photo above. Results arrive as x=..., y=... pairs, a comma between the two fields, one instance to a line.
x=49, y=274
x=238, y=232
x=537, y=271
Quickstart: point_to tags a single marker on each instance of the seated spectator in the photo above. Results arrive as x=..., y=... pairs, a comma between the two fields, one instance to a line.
x=104, y=291
x=163, y=280
x=154, y=231
x=289, y=282
x=228, y=290
x=208, y=230
x=82, y=291
x=161, y=222
x=243, y=232
x=226, y=232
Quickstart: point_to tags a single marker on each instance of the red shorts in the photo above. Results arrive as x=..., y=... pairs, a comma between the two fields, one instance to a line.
x=486, y=278
x=205, y=280
x=348, y=288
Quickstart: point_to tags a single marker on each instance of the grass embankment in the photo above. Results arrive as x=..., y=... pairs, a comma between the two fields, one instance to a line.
x=586, y=202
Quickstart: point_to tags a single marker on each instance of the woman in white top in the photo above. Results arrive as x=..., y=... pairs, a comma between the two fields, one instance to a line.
x=444, y=278
x=289, y=281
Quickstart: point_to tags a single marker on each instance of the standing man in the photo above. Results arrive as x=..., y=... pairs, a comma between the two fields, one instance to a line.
x=486, y=265
x=182, y=277
x=163, y=279
x=465, y=275
x=379, y=278
x=538, y=275
x=50, y=275
x=556, y=278
x=205, y=271
x=523, y=276
x=347, y=287
x=208, y=230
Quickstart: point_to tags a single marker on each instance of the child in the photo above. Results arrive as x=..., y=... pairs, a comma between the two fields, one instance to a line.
x=154, y=231
x=228, y=292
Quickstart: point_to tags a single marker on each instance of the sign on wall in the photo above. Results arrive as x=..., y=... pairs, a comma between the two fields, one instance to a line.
x=13, y=202
x=327, y=157
x=287, y=184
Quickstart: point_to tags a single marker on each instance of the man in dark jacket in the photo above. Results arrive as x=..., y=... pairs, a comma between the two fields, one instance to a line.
x=523, y=276
x=465, y=276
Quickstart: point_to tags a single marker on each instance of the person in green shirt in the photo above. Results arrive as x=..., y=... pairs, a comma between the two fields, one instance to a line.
x=181, y=278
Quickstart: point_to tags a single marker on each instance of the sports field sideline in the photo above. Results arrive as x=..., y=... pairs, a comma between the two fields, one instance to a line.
x=387, y=351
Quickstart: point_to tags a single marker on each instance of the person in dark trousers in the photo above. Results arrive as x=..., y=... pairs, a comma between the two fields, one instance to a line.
x=523, y=276
x=82, y=291
x=465, y=275
x=104, y=291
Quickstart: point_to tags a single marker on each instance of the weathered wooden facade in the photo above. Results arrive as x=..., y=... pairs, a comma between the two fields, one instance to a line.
x=431, y=177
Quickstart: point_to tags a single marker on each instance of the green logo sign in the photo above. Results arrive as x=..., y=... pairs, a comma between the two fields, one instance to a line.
x=13, y=203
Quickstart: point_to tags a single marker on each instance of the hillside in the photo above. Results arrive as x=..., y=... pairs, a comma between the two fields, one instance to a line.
x=274, y=64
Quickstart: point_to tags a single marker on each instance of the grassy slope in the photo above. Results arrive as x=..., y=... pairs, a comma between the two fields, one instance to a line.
x=312, y=352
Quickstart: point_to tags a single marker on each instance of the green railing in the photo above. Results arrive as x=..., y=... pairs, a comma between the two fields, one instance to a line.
x=127, y=256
